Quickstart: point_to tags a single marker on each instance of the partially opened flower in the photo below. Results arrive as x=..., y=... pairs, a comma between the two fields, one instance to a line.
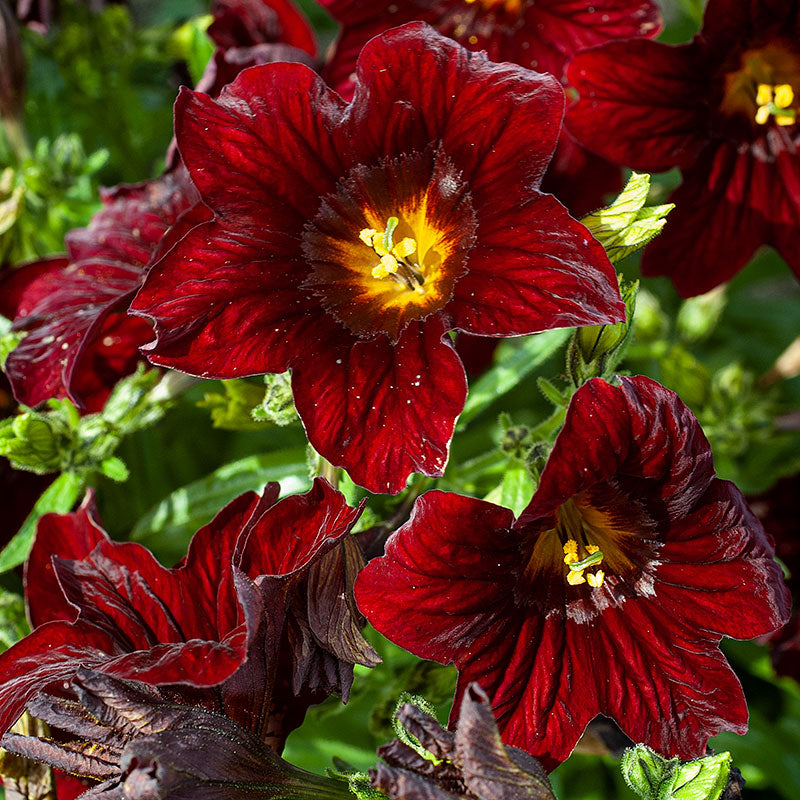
x=537, y=34
x=252, y=32
x=349, y=238
x=245, y=609
x=79, y=339
x=609, y=595
x=723, y=109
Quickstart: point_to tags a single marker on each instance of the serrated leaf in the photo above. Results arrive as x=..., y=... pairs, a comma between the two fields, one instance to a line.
x=515, y=360
x=59, y=497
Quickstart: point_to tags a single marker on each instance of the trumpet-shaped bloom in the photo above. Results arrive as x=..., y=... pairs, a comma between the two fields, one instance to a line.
x=349, y=238
x=537, y=34
x=262, y=604
x=79, y=340
x=609, y=595
x=723, y=109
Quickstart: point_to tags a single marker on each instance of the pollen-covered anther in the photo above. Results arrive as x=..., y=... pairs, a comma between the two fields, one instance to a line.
x=775, y=101
x=394, y=257
x=577, y=567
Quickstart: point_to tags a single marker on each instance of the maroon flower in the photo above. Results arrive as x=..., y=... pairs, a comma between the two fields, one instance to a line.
x=777, y=510
x=252, y=32
x=537, y=34
x=247, y=608
x=723, y=109
x=80, y=341
x=437, y=159
x=608, y=596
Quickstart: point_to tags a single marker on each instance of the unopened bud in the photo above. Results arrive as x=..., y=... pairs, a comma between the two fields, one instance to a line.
x=30, y=443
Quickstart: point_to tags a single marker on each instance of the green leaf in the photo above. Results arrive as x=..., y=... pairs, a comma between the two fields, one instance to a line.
x=515, y=360
x=186, y=509
x=13, y=623
x=59, y=497
x=115, y=469
x=515, y=491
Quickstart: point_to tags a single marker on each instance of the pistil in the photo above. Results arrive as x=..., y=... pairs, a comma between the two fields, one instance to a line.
x=775, y=101
x=394, y=257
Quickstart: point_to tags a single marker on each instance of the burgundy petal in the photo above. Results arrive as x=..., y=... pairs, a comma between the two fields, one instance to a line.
x=67, y=536
x=642, y=103
x=551, y=274
x=708, y=237
x=382, y=410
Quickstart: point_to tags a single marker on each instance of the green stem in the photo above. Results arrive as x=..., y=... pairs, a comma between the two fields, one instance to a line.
x=15, y=135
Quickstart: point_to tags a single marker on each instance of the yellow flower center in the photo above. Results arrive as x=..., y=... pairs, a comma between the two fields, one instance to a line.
x=592, y=557
x=775, y=101
x=395, y=258
x=763, y=86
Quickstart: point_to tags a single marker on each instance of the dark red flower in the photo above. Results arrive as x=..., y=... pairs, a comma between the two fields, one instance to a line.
x=609, y=595
x=777, y=510
x=438, y=159
x=79, y=340
x=247, y=608
x=245, y=23
x=537, y=34
x=252, y=32
x=723, y=109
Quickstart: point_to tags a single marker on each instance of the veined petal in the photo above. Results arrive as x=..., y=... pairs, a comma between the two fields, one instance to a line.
x=383, y=410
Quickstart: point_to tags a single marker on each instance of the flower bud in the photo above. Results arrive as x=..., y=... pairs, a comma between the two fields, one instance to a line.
x=29, y=442
x=627, y=224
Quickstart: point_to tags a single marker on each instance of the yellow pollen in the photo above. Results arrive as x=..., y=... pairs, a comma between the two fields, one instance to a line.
x=595, y=580
x=405, y=247
x=784, y=95
x=577, y=567
x=775, y=101
x=367, y=236
x=764, y=94
x=393, y=256
x=388, y=266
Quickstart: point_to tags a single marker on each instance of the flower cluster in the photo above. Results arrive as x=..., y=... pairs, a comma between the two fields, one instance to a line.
x=346, y=219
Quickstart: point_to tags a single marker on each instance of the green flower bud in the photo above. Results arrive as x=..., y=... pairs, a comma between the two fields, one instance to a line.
x=627, y=225
x=595, y=350
x=277, y=406
x=654, y=777
x=31, y=443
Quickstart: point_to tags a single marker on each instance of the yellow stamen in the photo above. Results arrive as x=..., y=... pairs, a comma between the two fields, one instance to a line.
x=764, y=94
x=762, y=115
x=595, y=580
x=784, y=95
x=405, y=247
x=775, y=101
x=592, y=548
x=571, y=546
x=388, y=266
x=575, y=578
x=367, y=235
